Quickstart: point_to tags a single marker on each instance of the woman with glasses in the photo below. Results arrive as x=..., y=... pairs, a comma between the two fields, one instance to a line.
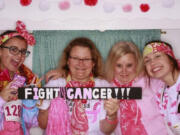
x=82, y=64
x=14, y=74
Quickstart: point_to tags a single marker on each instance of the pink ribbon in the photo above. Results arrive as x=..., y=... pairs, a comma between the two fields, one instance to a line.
x=95, y=111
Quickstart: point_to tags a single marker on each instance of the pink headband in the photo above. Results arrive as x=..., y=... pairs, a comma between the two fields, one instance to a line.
x=21, y=31
x=159, y=47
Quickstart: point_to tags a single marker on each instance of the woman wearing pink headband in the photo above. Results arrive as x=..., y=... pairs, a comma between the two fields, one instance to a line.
x=15, y=114
x=161, y=64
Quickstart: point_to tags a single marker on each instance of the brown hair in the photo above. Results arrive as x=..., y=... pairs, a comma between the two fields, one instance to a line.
x=8, y=32
x=118, y=50
x=175, y=66
x=83, y=42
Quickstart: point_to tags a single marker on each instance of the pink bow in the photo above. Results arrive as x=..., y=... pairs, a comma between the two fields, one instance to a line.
x=21, y=29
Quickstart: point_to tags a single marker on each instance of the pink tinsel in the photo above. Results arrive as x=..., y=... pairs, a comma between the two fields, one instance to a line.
x=58, y=118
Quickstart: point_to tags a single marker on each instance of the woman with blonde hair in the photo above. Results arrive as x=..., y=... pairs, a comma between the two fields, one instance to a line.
x=124, y=69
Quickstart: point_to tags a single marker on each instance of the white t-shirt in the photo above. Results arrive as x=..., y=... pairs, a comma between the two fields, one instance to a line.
x=94, y=108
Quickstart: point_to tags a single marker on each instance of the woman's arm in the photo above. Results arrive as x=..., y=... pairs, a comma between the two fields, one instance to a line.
x=43, y=113
x=43, y=118
x=108, y=124
x=2, y=102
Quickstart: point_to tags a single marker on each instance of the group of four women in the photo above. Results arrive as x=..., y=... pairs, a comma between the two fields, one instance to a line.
x=81, y=65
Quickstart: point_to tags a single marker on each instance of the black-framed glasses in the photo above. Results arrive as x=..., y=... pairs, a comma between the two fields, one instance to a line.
x=85, y=60
x=15, y=51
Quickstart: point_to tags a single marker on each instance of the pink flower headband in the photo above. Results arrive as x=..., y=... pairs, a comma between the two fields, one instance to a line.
x=159, y=47
x=21, y=31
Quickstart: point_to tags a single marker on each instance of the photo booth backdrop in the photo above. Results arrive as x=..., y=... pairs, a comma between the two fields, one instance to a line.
x=50, y=44
x=84, y=15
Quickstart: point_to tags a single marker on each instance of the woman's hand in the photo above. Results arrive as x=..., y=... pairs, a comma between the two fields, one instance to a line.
x=109, y=124
x=111, y=106
x=8, y=93
x=53, y=74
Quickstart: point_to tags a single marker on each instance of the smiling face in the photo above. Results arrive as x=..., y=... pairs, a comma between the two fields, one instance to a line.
x=80, y=63
x=10, y=61
x=158, y=65
x=125, y=68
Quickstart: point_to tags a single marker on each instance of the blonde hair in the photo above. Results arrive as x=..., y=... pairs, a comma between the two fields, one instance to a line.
x=118, y=50
x=97, y=70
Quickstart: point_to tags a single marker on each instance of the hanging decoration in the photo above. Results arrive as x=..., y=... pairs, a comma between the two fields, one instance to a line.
x=44, y=5
x=25, y=2
x=2, y=4
x=144, y=7
x=168, y=3
x=127, y=8
x=109, y=7
x=90, y=2
x=64, y=5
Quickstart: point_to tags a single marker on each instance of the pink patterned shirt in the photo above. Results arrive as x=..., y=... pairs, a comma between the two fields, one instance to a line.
x=168, y=100
x=150, y=117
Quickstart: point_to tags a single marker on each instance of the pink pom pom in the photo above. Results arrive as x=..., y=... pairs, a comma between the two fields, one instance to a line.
x=2, y=4
x=58, y=118
x=108, y=7
x=127, y=8
x=64, y=5
x=44, y=5
x=168, y=3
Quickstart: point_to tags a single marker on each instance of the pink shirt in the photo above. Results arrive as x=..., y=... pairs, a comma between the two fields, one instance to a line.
x=168, y=100
x=151, y=117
